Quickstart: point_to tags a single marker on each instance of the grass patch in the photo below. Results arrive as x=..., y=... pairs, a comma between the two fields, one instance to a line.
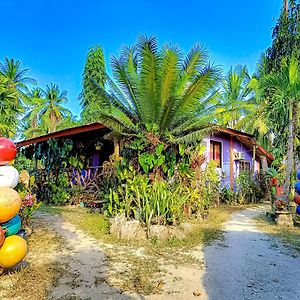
x=290, y=236
x=40, y=270
x=92, y=223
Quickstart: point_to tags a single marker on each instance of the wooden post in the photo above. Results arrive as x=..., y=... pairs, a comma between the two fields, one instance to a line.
x=253, y=158
x=117, y=149
x=231, y=163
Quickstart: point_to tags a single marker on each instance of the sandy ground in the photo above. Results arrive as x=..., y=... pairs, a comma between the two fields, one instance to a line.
x=249, y=264
x=246, y=265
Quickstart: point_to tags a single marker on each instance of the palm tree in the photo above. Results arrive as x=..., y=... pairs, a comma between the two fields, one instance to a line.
x=36, y=102
x=52, y=110
x=158, y=91
x=237, y=98
x=11, y=69
x=8, y=108
x=283, y=92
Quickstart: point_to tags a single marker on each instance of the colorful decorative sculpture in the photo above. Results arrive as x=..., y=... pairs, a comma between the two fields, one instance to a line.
x=13, y=248
x=297, y=195
x=8, y=151
x=13, y=251
x=10, y=204
x=13, y=226
x=9, y=176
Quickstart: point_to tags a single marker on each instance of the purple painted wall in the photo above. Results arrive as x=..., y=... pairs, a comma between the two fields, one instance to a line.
x=237, y=147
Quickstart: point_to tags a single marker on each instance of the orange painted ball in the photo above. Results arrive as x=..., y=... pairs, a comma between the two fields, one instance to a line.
x=13, y=251
x=10, y=204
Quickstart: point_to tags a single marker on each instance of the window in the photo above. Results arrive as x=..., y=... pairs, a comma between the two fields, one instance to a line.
x=216, y=152
x=244, y=166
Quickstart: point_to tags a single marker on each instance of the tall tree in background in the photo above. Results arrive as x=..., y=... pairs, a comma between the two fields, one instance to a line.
x=9, y=108
x=286, y=36
x=237, y=98
x=93, y=74
x=283, y=92
x=53, y=110
x=14, y=85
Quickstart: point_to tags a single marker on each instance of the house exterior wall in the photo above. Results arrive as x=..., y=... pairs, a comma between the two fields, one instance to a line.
x=237, y=146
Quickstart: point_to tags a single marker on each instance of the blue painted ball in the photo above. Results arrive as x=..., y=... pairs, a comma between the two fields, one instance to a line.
x=298, y=175
x=297, y=187
x=12, y=226
x=298, y=210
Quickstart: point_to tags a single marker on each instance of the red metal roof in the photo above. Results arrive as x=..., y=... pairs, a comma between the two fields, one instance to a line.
x=249, y=141
x=62, y=133
x=245, y=138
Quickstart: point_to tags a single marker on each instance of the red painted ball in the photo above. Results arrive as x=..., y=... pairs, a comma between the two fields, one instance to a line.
x=8, y=151
x=297, y=199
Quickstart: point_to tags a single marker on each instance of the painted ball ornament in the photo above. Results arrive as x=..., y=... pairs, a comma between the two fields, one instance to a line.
x=298, y=210
x=12, y=251
x=9, y=176
x=10, y=204
x=297, y=187
x=8, y=151
x=297, y=199
x=13, y=226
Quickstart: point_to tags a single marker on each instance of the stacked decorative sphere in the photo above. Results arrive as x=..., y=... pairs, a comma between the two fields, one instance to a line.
x=297, y=194
x=13, y=248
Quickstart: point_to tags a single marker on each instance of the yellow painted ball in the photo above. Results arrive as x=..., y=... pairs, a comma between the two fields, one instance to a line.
x=10, y=204
x=13, y=251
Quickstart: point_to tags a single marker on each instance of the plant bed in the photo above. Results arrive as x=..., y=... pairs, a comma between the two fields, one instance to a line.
x=121, y=228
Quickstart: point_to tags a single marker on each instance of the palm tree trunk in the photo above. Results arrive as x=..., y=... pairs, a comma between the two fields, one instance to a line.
x=290, y=151
x=286, y=6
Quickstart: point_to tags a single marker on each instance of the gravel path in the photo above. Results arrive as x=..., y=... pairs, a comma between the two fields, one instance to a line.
x=249, y=264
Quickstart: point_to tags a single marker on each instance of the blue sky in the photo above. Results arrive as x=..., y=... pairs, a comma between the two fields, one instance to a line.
x=52, y=37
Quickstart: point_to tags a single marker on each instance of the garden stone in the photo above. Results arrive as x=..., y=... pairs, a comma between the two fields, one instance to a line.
x=116, y=224
x=132, y=230
x=187, y=227
x=284, y=219
x=159, y=231
x=177, y=232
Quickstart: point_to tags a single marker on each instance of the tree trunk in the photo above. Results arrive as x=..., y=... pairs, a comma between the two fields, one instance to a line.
x=286, y=6
x=290, y=152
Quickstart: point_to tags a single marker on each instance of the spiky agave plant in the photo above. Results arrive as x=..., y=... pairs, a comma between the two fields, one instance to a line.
x=158, y=91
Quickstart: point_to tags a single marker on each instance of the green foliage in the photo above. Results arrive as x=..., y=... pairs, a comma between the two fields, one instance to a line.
x=248, y=189
x=286, y=37
x=30, y=204
x=159, y=193
x=157, y=92
x=57, y=190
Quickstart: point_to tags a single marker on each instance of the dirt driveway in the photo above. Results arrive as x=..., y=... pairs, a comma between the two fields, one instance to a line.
x=247, y=264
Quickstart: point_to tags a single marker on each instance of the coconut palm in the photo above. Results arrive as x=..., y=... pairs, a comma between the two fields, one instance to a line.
x=283, y=97
x=8, y=108
x=36, y=103
x=17, y=79
x=237, y=98
x=52, y=110
x=159, y=91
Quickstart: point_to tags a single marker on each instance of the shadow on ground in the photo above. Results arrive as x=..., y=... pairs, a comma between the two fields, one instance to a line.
x=249, y=264
x=85, y=275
